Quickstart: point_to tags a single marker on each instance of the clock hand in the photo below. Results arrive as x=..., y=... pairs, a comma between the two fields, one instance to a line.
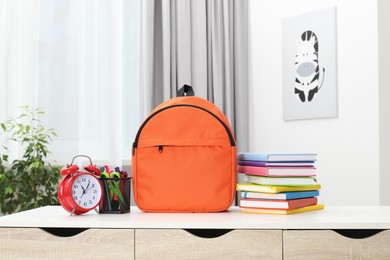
x=83, y=191
x=86, y=189
x=89, y=188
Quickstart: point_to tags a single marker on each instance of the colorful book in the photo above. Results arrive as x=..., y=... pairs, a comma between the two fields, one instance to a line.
x=276, y=157
x=274, y=189
x=270, y=164
x=277, y=171
x=279, y=196
x=280, y=181
x=282, y=211
x=278, y=204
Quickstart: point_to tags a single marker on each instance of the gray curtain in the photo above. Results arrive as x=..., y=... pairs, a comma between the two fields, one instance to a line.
x=202, y=43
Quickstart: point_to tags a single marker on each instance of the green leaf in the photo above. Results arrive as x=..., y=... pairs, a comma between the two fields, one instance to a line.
x=22, y=115
x=34, y=165
x=8, y=190
x=4, y=127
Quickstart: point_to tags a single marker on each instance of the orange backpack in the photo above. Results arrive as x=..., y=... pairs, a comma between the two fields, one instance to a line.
x=184, y=157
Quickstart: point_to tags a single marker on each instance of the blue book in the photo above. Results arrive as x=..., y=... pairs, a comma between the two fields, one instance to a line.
x=279, y=196
x=276, y=164
x=277, y=157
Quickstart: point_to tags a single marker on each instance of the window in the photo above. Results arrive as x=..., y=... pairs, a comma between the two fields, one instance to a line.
x=79, y=62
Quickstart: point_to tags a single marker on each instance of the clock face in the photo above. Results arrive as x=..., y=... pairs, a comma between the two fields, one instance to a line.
x=86, y=191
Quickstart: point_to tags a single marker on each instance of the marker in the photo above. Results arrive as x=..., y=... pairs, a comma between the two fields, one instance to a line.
x=104, y=177
x=106, y=168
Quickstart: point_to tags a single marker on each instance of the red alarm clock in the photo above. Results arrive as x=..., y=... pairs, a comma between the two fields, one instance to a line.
x=80, y=191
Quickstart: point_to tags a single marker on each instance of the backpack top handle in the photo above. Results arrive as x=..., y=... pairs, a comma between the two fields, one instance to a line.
x=186, y=90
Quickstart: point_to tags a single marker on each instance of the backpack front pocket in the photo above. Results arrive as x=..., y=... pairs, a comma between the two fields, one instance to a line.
x=184, y=178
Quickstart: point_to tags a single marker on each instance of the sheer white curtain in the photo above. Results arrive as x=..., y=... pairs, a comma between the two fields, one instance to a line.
x=79, y=62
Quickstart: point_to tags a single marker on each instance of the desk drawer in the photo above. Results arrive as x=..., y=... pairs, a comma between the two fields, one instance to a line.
x=180, y=244
x=328, y=244
x=35, y=243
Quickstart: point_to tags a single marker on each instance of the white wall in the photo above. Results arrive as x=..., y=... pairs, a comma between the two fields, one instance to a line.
x=384, y=98
x=347, y=146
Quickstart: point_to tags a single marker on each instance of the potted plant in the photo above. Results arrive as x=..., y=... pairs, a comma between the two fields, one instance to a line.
x=29, y=182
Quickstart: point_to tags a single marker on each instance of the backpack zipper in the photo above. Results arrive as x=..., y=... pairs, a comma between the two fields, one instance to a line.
x=135, y=144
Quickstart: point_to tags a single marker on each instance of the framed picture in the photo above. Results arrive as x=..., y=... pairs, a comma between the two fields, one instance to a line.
x=310, y=65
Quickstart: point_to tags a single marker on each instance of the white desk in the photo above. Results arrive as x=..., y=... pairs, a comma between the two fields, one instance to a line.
x=161, y=236
x=329, y=218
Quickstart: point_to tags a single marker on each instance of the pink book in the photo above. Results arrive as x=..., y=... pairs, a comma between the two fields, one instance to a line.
x=278, y=204
x=277, y=171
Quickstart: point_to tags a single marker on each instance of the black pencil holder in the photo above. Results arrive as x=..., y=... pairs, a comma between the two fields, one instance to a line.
x=116, y=195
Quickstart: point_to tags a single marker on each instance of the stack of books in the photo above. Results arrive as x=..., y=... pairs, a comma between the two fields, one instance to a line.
x=278, y=183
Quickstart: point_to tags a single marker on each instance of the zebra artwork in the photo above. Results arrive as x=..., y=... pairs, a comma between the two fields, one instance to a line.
x=309, y=74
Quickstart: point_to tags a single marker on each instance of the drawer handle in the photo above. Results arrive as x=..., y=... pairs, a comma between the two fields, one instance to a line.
x=357, y=233
x=64, y=232
x=208, y=233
